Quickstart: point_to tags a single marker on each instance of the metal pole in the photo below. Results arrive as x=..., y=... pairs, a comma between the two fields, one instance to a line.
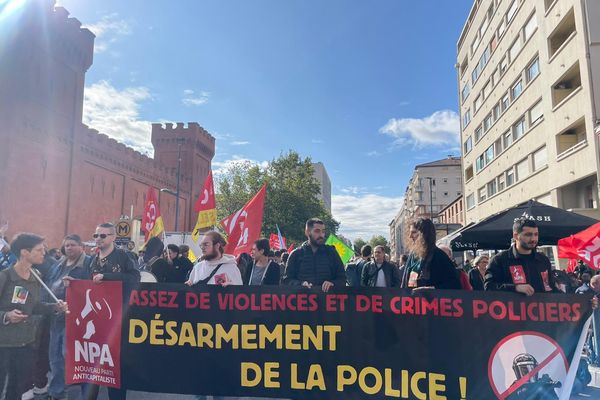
x=177, y=191
x=430, y=199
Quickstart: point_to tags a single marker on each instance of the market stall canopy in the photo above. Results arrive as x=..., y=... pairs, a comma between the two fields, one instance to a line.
x=495, y=232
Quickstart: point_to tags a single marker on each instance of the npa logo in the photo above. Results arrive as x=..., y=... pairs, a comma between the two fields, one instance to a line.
x=94, y=333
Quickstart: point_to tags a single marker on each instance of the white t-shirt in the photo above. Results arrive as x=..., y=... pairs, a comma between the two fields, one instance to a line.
x=380, y=277
x=228, y=272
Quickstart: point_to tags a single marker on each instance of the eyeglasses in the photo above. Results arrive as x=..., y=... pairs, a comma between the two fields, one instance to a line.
x=101, y=235
x=207, y=244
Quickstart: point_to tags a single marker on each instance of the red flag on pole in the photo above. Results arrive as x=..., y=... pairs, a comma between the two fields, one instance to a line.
x=274, y=242
x=206, y=207
x=584, y=246
x=245, y=225
x=152, y=222
x=206, y=200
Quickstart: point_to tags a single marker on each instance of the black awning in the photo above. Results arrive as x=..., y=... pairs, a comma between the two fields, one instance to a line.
x=495, y=232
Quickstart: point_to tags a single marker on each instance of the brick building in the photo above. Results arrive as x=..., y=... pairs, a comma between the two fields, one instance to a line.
x=58, y=176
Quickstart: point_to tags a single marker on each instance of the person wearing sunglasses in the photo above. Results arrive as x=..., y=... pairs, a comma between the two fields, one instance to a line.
x=111, y=264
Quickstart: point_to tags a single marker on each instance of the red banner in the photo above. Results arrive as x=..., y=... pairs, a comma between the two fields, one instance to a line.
x=245, y=229
x=584, y=246
x=93, y=331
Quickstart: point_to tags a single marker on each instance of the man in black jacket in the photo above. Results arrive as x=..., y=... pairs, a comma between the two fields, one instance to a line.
x=521, y=268
x=380, y=273
x=315, y=263
x=354, y=269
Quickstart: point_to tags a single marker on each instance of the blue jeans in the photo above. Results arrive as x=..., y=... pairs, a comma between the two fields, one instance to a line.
x=56, y=386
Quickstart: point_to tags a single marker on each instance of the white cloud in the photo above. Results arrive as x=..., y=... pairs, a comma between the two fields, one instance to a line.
x=108, y=30
x=239, y=143
x=373, y=153
x=191, y=99
x=115, y=113
x=354, y=190
x=316, y=141
x=219, y=167
x=364, y=215
x=440, y=128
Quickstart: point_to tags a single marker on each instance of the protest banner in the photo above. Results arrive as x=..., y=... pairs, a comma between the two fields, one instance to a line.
x=93, y=353
x=354, y=343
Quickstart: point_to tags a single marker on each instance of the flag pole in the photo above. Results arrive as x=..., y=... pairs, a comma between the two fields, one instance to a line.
x=36, y=276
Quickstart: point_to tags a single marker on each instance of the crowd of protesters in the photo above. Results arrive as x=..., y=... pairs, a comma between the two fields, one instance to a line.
x=24, y=370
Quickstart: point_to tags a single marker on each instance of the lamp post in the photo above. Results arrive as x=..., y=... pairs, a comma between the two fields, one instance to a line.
x=176, y=193
x=430, y=179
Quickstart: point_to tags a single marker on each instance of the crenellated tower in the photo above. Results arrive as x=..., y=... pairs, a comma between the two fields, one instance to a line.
x=197, y=151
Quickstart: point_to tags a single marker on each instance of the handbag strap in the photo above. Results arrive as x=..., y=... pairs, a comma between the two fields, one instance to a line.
x=209, y=277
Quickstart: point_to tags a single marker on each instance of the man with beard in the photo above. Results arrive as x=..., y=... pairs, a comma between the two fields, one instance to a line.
x=315, y=263
x=521, y=268
x=215, y=267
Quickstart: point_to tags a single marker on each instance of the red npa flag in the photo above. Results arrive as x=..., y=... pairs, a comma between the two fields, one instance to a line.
x=93, y=333
x=584, y=246
x=244, y=226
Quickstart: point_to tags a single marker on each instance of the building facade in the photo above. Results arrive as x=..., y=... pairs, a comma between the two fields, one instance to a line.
x=58, y=176
x=322, y=177
x=453, y=213
x=529, y=80
x=431, y=188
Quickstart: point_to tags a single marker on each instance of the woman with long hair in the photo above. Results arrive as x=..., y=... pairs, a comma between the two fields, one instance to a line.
x=427, y=266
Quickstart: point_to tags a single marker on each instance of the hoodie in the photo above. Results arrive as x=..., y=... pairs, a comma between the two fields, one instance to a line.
x=228, y=271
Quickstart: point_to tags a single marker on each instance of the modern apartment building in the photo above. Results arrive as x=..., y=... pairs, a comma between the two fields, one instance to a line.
x=322, y=177
x=529, y=81
x=431, y=188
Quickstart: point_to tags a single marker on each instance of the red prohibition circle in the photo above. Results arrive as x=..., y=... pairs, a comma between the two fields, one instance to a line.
x=513, y=335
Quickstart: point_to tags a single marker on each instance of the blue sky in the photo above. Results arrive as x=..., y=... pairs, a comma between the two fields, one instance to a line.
x=366, y=87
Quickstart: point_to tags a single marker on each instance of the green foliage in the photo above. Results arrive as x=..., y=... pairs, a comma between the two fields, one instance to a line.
x=378, y=240
x=358, y=244
x=291, y=194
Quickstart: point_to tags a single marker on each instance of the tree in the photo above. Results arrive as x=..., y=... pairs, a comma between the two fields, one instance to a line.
x=378, y=240
x=291, y=194
x=358, y=244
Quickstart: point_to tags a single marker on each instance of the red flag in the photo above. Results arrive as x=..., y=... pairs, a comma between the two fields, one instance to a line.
x=152, y=222
x=229, y=222
x=274, y=241
x=206, y=208
x=584, y=246
x=289, y=250
x=571, y=266
x=245, y=227
x=206, y=200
